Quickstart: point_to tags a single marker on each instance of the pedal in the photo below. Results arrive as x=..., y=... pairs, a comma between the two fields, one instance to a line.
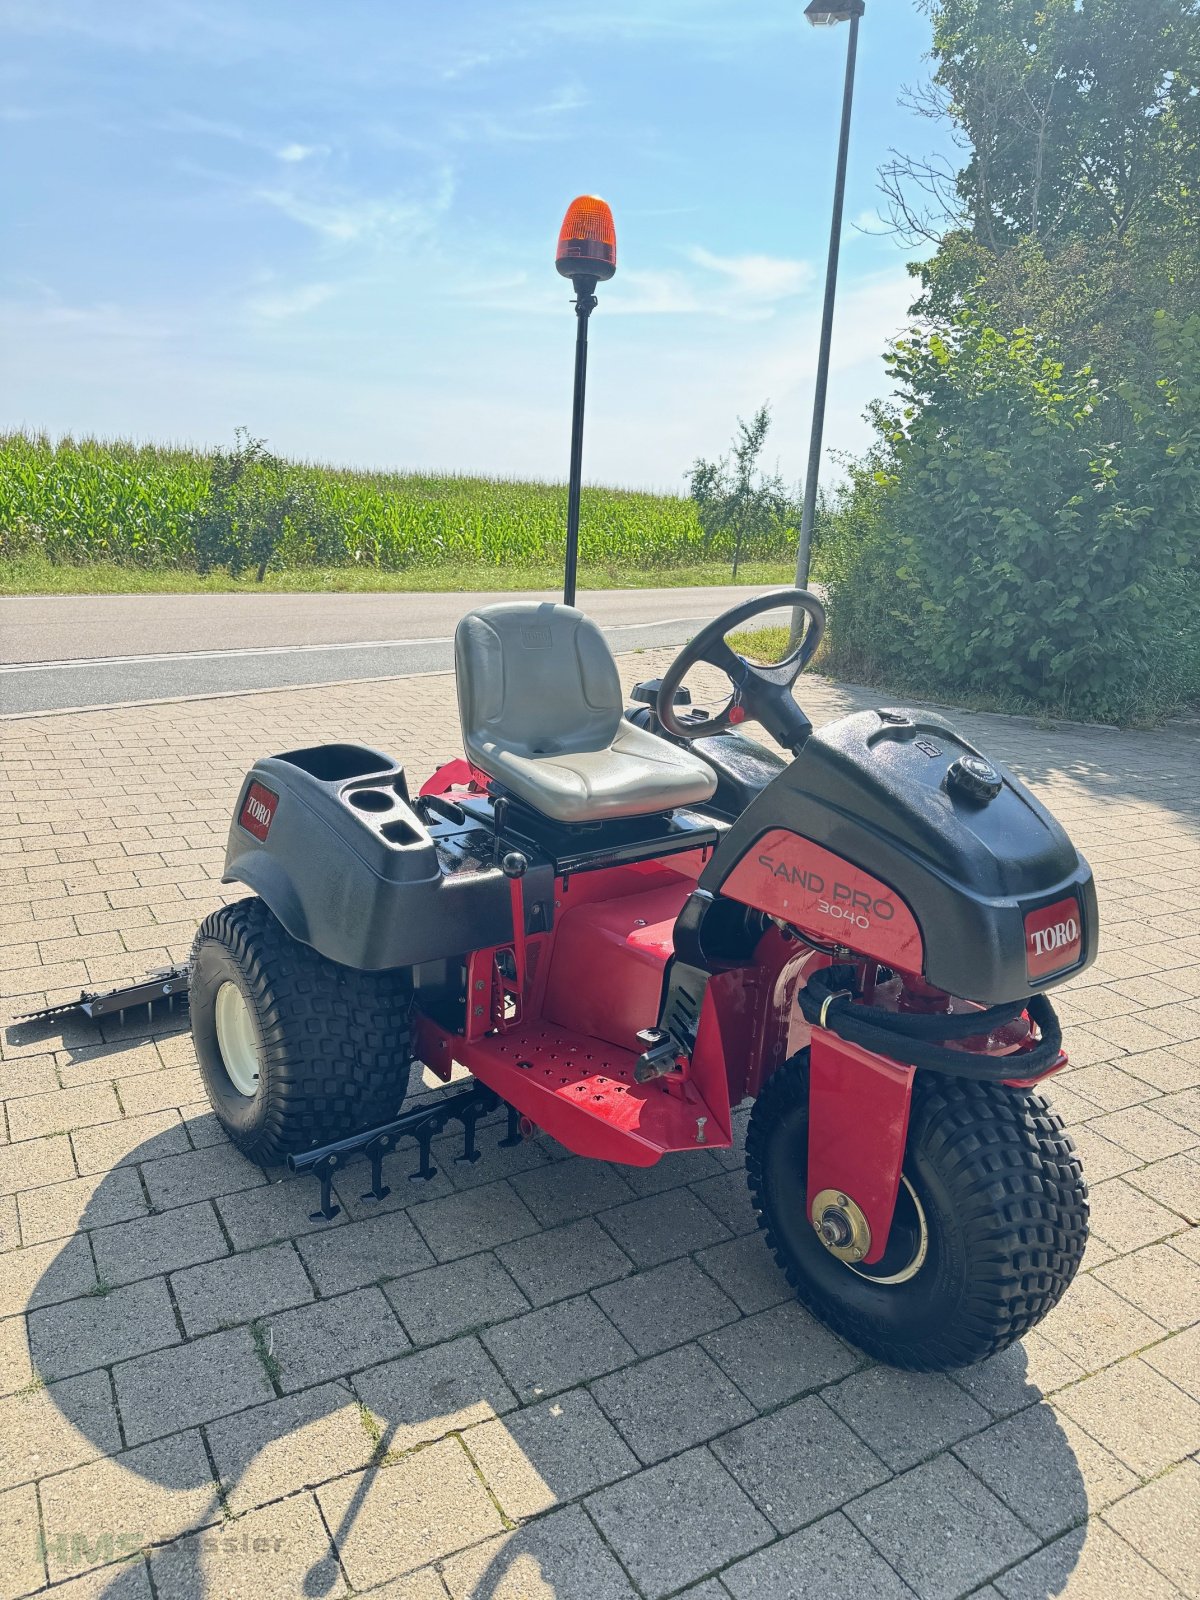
x=659, y=1057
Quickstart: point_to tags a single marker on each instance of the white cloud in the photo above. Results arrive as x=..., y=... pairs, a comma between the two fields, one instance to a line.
x=870, y=222
x=730, y=288
x=526, y=125
x=358, y=219
x=47, y=312
x=482, y=60
x=274, y=306
x=667, y=292
x=177, y=121
x=187, y=122
x=759, y=278
x=735, y=288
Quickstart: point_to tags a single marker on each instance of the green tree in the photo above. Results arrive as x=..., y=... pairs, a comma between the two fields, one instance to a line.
x=1077, y=118
x=735, y=500
x=1075, y=207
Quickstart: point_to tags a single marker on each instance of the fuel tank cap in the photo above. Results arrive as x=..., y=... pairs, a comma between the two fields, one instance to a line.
x=974, y=779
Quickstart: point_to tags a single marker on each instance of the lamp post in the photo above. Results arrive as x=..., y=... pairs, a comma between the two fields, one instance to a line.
x=587, y=254
x=827, y=14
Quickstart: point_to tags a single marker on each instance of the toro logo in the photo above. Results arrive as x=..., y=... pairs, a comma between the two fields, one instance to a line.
x=1053, y=938
x=258, y=809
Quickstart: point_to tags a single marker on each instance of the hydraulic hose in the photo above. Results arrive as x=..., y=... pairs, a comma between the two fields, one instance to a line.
x=829, y=1000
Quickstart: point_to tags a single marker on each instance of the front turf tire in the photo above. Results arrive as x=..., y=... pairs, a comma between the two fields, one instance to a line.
x=331, y=1045
x=1004, y=1209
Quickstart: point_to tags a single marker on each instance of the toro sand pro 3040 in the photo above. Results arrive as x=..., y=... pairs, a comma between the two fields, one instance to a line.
x=625, y=923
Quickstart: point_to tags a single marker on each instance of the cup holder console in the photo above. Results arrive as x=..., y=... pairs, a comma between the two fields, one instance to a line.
x=384, y=807
x=371, y=799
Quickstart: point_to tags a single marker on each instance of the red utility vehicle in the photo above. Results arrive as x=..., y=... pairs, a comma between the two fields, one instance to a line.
x=626, y=923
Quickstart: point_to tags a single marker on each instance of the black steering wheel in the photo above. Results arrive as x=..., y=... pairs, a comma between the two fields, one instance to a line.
x=761, y=694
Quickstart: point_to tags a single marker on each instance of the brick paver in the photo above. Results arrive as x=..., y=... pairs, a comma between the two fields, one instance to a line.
x=542, y=1376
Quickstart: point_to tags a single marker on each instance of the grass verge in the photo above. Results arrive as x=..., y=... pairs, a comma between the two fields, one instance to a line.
x=35, y=576
x=764, y=645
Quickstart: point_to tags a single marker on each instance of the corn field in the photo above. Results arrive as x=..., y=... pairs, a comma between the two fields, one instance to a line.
x=80, y=501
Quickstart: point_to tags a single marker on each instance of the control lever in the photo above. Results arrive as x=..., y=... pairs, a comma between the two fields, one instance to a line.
x=514, y=867
x=499, y=823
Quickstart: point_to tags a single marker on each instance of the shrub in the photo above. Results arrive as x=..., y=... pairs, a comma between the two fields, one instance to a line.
x=1024, y=532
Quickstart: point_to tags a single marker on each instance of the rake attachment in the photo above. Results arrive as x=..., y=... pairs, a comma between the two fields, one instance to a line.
x=168, y=986
x=421, y=1124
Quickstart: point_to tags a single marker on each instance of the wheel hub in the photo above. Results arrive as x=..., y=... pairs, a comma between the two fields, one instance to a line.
x=237, y=1039
x=841, y=1225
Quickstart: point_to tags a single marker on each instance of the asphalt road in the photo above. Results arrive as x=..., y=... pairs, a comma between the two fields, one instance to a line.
x=67, y=651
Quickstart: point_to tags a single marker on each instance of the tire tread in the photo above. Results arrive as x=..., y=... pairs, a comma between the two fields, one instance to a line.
x=336, y=1040
x=1018, y=1192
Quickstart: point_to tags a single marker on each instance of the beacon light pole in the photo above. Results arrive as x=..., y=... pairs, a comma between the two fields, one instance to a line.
x=827, y=14
x=587, y=254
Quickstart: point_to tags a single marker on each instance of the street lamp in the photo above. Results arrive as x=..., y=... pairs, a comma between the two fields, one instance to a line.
x=827, y=14
x=587, y=254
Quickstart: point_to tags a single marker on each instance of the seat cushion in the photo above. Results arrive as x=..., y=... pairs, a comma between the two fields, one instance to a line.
x=541, y=709
x=638, y=773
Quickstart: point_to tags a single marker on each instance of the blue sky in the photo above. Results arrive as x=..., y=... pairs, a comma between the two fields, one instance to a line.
x=335, y=224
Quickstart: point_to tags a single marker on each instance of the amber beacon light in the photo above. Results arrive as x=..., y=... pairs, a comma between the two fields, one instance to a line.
x=587, y=240
x=587, y=254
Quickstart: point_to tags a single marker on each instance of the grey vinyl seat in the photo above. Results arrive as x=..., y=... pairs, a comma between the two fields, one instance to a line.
x=542, y=714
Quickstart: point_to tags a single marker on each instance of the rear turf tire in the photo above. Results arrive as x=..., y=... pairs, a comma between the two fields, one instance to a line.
x=1002, y=1208
x=323, y=1049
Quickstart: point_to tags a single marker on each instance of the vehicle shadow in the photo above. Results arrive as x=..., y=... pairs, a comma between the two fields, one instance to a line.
x=183, y=1506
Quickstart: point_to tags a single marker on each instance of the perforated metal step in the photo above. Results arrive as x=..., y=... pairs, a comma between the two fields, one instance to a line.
x=582, y=1092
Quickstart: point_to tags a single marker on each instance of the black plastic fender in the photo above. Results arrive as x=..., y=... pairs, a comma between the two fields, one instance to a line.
x=329, y=839
x=270, y=880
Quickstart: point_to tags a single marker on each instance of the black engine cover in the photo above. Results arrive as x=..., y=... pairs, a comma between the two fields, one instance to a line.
x=977, y=859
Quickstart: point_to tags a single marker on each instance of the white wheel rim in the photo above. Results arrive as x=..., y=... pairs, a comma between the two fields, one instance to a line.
x=917, y=1261
x=236, y=1039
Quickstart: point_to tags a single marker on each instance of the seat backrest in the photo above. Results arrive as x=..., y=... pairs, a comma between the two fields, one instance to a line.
x=536, y=679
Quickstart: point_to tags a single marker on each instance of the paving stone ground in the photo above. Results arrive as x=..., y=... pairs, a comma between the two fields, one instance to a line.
x=542, y=1377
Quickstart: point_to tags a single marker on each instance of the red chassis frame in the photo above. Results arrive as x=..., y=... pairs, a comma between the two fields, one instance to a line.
x=551, y=1023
